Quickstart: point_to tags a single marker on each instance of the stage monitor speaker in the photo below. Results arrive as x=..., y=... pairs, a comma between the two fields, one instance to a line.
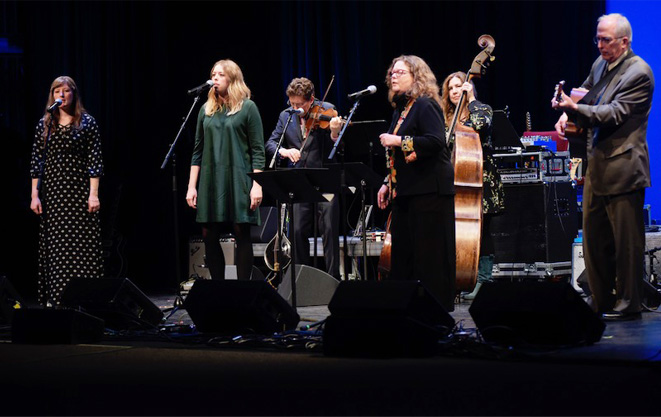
x=265, y=232
x=539, y=224
x=116, y=300
x=55, y=326
x=534, y=313
x=10, y=301
x=384, y=318
x=238, y=307
x=313, y=286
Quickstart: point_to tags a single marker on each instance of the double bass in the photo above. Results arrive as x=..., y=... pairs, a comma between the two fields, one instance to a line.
x=467, y=162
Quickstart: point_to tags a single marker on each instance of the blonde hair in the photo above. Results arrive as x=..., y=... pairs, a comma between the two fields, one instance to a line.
x=237, y=90
x=446, y=104
x=78, y=104
x=424, y=80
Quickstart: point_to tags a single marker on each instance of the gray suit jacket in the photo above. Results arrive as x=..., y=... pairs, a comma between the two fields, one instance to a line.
x=618, y=156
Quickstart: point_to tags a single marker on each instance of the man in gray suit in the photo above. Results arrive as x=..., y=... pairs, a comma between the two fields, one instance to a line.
x=614, y=112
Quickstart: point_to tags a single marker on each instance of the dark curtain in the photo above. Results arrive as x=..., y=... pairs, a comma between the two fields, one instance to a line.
x=134, y=61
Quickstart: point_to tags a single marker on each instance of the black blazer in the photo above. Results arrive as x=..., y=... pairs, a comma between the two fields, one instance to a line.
x=432, y=172
x=317, y=148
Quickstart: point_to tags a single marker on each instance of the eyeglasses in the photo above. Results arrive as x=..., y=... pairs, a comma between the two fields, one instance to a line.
x=605, y=40
x=398, y=73
x=296, y=105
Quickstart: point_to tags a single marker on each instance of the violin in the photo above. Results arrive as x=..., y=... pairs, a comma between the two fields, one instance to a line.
x=318, y=117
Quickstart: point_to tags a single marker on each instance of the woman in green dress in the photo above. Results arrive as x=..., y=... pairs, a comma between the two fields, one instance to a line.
x=229, y=144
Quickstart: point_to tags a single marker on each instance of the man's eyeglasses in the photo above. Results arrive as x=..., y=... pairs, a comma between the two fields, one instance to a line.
x=605, y=40
x=398, y=73
x=296, y=105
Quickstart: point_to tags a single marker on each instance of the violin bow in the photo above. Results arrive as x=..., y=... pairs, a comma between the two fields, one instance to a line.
x=316, y=113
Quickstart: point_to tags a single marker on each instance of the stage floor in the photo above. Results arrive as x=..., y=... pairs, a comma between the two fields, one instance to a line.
x=148, y=374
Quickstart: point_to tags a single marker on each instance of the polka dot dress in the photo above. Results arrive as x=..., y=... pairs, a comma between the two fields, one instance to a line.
x=69, y=236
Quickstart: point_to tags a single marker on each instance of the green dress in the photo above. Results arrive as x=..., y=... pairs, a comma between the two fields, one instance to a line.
x=227, y=148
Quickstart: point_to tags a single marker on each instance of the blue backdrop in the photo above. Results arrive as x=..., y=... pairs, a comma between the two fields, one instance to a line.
x=645, y=17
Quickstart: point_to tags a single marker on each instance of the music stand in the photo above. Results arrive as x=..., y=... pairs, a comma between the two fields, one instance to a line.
x=326, y=182
x=361, y=176
x=290, y=186
x=503, y=134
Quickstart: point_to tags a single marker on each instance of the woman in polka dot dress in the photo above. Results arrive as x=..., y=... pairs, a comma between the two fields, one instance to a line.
x=65, y=185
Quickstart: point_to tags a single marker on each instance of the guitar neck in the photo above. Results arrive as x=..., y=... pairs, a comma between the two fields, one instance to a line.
x=558, y=91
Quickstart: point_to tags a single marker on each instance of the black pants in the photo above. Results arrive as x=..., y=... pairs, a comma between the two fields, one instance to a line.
x=423, y=243
x=243, y=258
x=328, y=226
x=486, y=240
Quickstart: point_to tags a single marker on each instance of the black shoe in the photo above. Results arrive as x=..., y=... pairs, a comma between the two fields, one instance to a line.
x=620, y=316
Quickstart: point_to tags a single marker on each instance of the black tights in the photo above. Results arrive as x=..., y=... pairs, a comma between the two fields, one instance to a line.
x=486, y=240
x=211, y=233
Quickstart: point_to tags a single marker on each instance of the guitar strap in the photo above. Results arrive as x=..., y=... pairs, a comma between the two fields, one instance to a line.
x=391, y=153
x=594, y=95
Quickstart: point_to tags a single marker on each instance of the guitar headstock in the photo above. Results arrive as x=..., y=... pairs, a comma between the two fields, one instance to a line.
x=558, y=91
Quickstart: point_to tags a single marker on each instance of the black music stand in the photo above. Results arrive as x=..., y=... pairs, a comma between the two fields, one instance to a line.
x=326, y=182
x=361, y=176
x=503, y=135
x=291, y=186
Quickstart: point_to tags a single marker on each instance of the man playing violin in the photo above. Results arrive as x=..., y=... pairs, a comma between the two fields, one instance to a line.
x=615, y=114
x=307, y=144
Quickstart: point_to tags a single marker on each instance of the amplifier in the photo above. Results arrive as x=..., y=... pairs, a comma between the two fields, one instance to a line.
x=533, y=167
x=196, y=251
x=539, y=224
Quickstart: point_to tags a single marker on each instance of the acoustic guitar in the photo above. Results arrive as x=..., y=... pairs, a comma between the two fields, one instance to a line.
x=277, y=254
x=571, y=130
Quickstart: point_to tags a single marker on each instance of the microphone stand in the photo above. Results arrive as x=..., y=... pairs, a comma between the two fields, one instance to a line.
x=343, y=187
x=282, y=138
x=172, y=157
x=42, y=161
x=42, y=165
x=651, y=252
x=363, y=214
x=278, y=274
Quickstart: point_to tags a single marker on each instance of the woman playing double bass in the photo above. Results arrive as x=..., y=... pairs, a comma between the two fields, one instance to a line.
x=421, y=181
x=477, y=116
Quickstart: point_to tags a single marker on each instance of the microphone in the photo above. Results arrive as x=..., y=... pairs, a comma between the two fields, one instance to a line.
x=197, y=90
x=366, y=92
x=58, y=103
x=295, y=111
